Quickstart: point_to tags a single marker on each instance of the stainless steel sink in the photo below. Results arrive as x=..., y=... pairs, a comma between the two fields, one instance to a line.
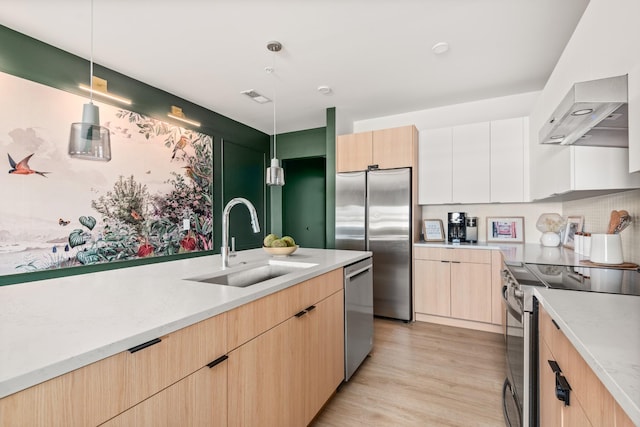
x=242, y=276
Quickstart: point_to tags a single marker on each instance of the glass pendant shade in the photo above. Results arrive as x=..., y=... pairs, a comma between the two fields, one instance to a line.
x=275, y=174
x=88, y=140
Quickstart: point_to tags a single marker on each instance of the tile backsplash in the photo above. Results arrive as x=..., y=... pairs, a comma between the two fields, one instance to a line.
x=597, y=211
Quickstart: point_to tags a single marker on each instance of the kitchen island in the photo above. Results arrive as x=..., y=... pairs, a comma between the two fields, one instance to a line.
x=52, y=327
x=603, y=328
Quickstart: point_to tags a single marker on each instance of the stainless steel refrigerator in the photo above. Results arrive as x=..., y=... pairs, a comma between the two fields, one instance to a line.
x=373, y=212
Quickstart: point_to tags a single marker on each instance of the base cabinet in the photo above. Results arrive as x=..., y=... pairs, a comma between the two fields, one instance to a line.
x=199, y=400
x=453, y=283
x=271, y=362
x=590, y=403
x=284, y=376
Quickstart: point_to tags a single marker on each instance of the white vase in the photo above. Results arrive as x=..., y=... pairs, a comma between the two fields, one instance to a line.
x=549, y=238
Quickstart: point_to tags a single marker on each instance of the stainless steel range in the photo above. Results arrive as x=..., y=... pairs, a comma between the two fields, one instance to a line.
x=520, y=397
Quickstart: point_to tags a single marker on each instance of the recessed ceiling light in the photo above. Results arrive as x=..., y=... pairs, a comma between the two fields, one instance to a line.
x=325, y=90
x=260, y=99
x=440, y=48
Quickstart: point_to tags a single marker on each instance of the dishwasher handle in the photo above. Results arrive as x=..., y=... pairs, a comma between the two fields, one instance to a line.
x=358, y=272
x=357, y=268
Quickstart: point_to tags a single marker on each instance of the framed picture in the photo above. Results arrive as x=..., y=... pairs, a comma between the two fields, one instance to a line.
x=433, y=230
x=574, y=225
x=505, y=229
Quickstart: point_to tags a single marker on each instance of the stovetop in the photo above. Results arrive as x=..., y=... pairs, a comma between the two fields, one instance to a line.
x=590, y=279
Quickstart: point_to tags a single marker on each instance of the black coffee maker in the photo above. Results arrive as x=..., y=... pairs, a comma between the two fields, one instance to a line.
x=457, y=232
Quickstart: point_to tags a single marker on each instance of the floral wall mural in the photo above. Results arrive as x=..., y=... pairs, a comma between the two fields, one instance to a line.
x=153, y=198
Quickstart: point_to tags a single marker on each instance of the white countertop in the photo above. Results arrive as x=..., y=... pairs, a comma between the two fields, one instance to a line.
x=605, y=329
x=51, y=327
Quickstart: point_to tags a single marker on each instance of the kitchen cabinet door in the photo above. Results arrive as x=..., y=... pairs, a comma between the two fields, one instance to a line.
x=199, y=400
x=354, y=152
x=261, y=378
x=394, y=148
x=324, y=344
x=432, y=287
x=177, y=355
x=471, y=291
x=507, y=160
x=471, y=163
x=435, y=168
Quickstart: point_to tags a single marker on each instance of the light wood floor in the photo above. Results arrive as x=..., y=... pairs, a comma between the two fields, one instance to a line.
x=422, y=374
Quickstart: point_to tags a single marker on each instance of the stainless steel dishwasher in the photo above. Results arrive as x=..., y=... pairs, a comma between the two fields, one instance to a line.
x=358, y=314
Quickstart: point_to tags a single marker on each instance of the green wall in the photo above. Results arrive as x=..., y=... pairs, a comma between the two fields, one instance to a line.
x=319, y=142
x=34, y=60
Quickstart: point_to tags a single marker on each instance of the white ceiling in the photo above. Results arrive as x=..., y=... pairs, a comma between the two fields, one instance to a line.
x=374, y=54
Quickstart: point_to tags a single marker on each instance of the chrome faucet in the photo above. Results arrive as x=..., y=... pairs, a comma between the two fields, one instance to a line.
x=255, y=225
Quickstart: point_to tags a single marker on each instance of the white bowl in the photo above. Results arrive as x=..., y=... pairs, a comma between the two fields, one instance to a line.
x=285, y=251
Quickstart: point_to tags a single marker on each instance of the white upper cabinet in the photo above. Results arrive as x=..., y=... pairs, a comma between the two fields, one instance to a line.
x=435, y=166
x=475, y=163
x=507, y=160
x=471, y=163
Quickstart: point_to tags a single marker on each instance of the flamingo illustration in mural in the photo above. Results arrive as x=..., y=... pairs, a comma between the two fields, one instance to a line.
x=22, y=167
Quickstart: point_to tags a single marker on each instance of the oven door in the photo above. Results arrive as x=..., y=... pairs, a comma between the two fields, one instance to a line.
x=514, y=339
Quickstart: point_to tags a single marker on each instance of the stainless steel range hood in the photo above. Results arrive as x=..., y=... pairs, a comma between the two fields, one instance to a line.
x=594, y=113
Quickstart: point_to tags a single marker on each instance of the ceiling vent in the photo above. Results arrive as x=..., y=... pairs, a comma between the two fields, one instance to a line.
x=260, y=99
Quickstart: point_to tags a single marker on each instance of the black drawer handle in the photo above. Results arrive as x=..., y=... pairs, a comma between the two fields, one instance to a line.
x=301, y=313
x=563, y=388
x=555, y=324
x=218, y=361
x=310, y=308
x=144, y=345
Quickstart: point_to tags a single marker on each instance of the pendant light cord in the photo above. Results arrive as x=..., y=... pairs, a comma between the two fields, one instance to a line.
x=91, y=57
x=274, y=105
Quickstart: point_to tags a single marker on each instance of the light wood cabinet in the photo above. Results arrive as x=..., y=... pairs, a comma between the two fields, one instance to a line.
x=199, y=400
x=456, y=284
x=433, y=287
x=287, y=361
x=95, y=393
x=354, y=152
x=285, y=374
x=386, y=148
x=590, y=403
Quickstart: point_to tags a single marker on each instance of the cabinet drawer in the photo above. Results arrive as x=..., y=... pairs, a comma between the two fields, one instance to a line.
x=86, y=396
x=250, y=320
x=95, y=393
x=480, y=256
x=177, y=355
x=434, y=254
x=200, y=399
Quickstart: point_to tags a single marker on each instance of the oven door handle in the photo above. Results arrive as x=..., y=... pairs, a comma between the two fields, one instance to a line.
x=517, y=314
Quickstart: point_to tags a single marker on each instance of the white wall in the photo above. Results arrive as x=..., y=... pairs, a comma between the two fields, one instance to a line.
x=504, y=107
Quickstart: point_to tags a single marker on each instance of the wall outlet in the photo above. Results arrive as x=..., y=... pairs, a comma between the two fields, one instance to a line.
x=186, y=224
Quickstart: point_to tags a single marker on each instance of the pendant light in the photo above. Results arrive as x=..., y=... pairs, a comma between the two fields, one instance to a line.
x=275, y=174
x=88, y=140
